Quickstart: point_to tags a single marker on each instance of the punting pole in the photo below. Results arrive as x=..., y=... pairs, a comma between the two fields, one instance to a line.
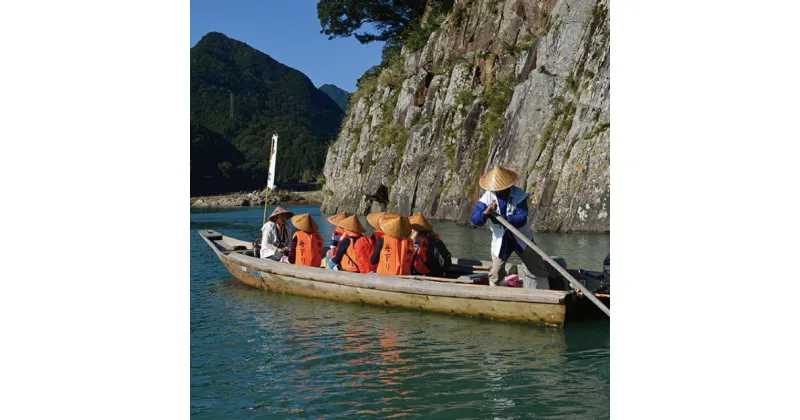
x=575, y=283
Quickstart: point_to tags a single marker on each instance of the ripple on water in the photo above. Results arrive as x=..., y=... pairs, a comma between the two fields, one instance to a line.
x=260, y=354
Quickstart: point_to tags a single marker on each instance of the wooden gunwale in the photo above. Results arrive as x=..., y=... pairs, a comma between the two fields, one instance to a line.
x=399, y=284
x=545, y=307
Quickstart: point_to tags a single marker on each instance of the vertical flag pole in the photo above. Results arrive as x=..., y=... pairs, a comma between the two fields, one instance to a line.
x=273, y=152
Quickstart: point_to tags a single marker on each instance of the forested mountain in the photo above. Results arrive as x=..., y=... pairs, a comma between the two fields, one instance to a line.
x=239, y=98
x=340, y=96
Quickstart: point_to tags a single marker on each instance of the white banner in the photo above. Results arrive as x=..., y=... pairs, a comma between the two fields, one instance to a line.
x=273, y=156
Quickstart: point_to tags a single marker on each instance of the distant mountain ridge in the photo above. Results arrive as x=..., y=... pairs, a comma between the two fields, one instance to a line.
x=239, y=98
x=339, y=95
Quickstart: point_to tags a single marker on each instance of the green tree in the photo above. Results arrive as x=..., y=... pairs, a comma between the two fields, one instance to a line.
x=389, y=18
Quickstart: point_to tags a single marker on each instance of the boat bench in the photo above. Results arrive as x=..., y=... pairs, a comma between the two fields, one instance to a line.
x=228, y=247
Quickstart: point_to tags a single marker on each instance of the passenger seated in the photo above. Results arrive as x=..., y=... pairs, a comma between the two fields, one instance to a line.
x=275, y=235
x=374, y=220
x=431, y=256
x=353, y=250
x=394, y=252
x=307, y=243
x=338, y=232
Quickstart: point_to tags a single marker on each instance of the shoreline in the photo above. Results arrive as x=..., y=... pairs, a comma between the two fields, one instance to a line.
x=256, y=198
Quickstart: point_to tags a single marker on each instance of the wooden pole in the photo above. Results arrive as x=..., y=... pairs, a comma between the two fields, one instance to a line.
x=269, y=174
x=266, y=200
x=575, y=283
x=439, y=279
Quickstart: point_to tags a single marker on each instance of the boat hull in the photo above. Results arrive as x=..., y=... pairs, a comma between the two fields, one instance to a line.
x=532, y=306
x=527, y=312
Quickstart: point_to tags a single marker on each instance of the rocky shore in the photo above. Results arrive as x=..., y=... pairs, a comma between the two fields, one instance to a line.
x=256, y=198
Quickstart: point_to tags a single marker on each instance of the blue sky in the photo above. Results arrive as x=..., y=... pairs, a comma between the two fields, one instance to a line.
x=287, y=30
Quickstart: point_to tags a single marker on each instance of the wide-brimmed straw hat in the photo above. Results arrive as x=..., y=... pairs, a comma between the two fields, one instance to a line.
x=498, y=179
x=336, y=217
x=278, y=211
x=352, y=224
x=420, y=223
x=395, y=226
x=374, y=219
x=305, y=223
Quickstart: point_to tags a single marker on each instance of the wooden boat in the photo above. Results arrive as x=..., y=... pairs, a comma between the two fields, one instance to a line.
x=450, y=296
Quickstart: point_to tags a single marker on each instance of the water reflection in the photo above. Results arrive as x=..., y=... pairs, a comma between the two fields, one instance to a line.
x=260, y=354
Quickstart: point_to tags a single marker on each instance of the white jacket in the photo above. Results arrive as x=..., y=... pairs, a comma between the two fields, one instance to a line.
x=269, y=238
x=516, y=196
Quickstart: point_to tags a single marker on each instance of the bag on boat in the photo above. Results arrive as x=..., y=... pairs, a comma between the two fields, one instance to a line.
x=513, y=281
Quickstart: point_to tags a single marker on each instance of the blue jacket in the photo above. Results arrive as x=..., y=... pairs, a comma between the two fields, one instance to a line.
x=518, y=220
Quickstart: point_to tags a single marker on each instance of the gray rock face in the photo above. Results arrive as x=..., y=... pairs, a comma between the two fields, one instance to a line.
x=524, y=84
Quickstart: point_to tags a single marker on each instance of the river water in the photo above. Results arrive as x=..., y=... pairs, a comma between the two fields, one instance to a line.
x=259, y=354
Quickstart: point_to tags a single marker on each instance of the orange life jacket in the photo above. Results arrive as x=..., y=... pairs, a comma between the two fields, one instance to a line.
x=309, y=249
x=377, y=234
x=420, y=265
x=356, y=258
x=396, y=256
x=422, y=245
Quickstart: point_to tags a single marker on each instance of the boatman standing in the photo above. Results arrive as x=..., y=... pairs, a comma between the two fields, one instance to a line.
x=503, y=198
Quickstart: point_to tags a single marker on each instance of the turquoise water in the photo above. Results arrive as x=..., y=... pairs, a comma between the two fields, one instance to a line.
x=258, y=354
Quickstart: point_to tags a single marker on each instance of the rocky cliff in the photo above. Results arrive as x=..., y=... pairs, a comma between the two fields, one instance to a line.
x=520, y=83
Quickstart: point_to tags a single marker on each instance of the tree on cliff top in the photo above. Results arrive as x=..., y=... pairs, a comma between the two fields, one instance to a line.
x=390, y=18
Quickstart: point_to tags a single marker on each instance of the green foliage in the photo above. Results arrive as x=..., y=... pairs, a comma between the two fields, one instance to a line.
x=572, y=84
x=560, y=124
x=497, y=96
x=416, y=118
x=391, y=51
x=597, y=130
x=269, y=97
x=370, y=75
x=352, y=150
x=419, y=31
x=464, y=100
x=340, y=96
x=521, y=48
x=392, y=133
x=213, y=162
x=392, y=74
x=389, y=18
x=450, y=150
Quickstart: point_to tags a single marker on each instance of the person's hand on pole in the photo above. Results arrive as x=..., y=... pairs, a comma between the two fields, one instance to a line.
x=490, y=209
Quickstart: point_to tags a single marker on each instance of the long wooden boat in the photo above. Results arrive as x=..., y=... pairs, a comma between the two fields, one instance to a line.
x=535, y=306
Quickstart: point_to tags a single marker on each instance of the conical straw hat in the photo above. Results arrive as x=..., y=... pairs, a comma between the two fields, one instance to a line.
x=395, y=226
x=278, y=211
x=420, y=223
x=352, y=224
x=336, y=217
x=498, y=179
x=374, y=218
x=305, y=223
